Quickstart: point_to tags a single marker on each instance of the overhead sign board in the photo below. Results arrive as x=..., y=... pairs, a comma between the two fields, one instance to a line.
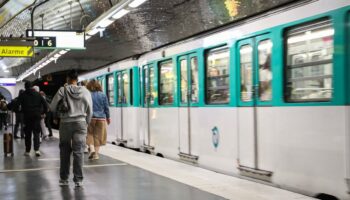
x=51, y=39
x=16, y=49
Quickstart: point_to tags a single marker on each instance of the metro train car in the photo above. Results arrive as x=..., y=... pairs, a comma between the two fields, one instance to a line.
x=265, y=99
x=120, y=82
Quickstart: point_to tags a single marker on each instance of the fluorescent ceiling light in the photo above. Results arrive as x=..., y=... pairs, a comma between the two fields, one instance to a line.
x=57, y=55
x=120, y=14
x=105, y=23
x=136, y=3
x=92, y=32
x=63, y=52
x=6, y=71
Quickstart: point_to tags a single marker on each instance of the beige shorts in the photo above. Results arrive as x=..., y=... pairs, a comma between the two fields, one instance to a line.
x=97, y=133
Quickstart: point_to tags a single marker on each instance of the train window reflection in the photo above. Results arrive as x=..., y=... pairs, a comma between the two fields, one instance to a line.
x=184, y=81
x=110, y=89
x=265, y=73
x=126, y=90
x=148, y=87
x=309, y=70
x=166, y=83
x=194, y=79
x=246, y=62
x=217, y=76
x=120, y=88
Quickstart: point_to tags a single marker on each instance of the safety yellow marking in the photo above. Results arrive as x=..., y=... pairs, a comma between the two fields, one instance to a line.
x=52, y=168
x=16, y=51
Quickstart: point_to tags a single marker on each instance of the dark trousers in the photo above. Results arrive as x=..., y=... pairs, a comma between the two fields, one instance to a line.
x=72, y=140
x=48, y=120
x=32, y=126
x=19, y=123
x=3, y=120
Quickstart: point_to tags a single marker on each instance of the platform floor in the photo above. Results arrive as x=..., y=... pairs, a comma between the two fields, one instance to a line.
x=122, y=174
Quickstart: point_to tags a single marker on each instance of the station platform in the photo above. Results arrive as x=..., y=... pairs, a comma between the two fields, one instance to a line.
x=123, y=174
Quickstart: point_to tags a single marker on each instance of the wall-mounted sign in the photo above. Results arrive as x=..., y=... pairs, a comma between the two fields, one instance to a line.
x=58, y=39
x=7, y=81
x=16, y=49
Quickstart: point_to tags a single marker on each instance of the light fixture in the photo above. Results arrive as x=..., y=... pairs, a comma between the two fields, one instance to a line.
x=120, y=13
x=6, y=71
x=104, y=23
x=57, y=55
x=136, y=3
x=63, y=52
x=92, y=32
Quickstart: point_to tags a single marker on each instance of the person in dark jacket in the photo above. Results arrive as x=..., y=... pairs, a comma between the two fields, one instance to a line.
x=34, y=107
x=16, y=108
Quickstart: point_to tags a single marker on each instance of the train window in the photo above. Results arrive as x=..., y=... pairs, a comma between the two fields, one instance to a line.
x=110, y=89
x=126, y=90
x=265, y=73
x=166, y=83
x=246, y=63
x=184, y=81
x=194, y=79
x=309, y=55
x=148, y=86
x=217, y=76
x=120, y=90
x=131, y=88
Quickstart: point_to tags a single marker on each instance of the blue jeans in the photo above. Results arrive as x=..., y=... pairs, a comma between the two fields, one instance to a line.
x=72, y=140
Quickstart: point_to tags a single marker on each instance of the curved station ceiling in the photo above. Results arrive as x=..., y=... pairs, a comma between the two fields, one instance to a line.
x=152, y=24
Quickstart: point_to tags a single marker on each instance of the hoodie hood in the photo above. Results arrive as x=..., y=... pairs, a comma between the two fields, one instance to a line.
x=74, y=91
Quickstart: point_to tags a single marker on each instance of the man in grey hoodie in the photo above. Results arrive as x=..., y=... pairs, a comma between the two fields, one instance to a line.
x=73, y=127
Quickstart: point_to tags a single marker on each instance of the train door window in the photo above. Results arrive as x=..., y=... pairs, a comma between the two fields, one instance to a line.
x=217, y=76
x=184, y=81
x=120, y=88
x=110, y=89
x=166, y=83
x=148, y=86
x=309, y=58
x=194, y=79
x=246, y=64
x=126, y=90
x=265, y=72
x=131, y=88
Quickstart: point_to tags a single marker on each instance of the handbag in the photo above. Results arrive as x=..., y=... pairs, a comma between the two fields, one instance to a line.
x=62, y=105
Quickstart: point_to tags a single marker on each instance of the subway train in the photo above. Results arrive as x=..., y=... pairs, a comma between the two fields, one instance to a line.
x=265, y=99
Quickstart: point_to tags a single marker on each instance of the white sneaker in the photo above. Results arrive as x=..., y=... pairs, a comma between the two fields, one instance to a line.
x=63, y=183
x=27, y=154
x=37, y=153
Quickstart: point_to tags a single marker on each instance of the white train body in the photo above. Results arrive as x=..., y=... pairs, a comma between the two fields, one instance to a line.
x=294, y=146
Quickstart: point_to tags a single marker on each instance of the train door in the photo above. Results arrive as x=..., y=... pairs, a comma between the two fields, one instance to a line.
x=148, y=100
x=122, y=91
x=110, y=88
x=188, y=66
x=255, y=92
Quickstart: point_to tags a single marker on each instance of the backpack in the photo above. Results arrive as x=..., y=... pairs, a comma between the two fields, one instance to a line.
x=62, y=105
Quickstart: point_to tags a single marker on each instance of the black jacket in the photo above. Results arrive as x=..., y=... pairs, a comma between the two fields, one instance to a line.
x=32, y=104
x=14, y=105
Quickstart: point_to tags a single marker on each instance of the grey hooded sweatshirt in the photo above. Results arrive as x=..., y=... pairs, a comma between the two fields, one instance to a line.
x=80, y=103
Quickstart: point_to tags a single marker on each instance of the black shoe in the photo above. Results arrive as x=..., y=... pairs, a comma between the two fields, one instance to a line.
x=16, y=137
x=50, y=135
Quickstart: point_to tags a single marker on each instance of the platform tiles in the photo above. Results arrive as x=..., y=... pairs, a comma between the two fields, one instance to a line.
x=36, y=178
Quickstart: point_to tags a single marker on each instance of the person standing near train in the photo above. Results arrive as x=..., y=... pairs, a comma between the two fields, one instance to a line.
x=73, y=127
x=33, y=107
x=97, y=132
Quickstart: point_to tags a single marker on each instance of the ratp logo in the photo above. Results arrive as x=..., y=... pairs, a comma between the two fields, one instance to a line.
x=215, y=136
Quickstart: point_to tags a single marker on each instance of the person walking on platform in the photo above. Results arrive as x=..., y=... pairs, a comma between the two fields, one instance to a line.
x=43, y=133
x=3, y=112
x=73, y=127
x=97, y=133
x=33, y=107
x=48, y=117
x=16, y=108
